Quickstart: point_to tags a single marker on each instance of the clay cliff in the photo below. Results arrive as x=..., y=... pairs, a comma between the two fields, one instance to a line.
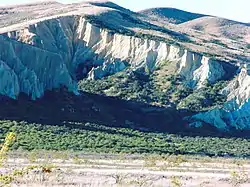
x=48, y=52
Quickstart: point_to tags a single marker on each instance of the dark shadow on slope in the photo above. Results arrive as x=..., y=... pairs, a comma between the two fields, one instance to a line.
x=58, y=107
x=62, y=108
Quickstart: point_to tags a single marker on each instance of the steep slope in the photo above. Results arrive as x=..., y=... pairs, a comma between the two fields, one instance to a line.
x=170, y=15
x=235, y=112
x=89, y=51
x=65, y=45
x=31, y=70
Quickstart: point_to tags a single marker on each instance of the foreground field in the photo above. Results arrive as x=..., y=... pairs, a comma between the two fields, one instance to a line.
x=125, y=170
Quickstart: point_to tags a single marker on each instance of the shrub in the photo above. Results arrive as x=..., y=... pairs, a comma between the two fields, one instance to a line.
x=205, y=98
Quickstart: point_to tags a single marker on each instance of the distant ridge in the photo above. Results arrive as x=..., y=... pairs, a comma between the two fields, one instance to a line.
x=171, y=15
x=220, y=26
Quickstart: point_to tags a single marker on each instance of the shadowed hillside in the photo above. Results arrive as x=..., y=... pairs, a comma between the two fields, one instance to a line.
x=61, y=106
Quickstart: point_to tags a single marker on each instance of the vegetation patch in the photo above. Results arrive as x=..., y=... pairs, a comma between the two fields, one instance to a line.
x=162, y=87
x=205, y=98
x=91, y=137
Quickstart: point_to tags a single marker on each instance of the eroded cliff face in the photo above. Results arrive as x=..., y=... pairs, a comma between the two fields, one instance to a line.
x=9, y=83
x=60, y=51
x=236, y=111
x=101, y=52
x=28, y=69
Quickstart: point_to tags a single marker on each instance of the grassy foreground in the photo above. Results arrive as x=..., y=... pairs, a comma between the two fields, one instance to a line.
x=90, y=137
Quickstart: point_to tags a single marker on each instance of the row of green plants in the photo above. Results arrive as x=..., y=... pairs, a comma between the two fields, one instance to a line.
x=90, y=137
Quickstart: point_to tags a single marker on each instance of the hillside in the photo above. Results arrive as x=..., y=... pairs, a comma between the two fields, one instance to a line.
x=170, y=15
x=99, y=63
x=220, y=27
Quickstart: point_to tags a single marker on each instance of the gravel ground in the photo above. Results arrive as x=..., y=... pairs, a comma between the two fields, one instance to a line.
x=131, y=172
